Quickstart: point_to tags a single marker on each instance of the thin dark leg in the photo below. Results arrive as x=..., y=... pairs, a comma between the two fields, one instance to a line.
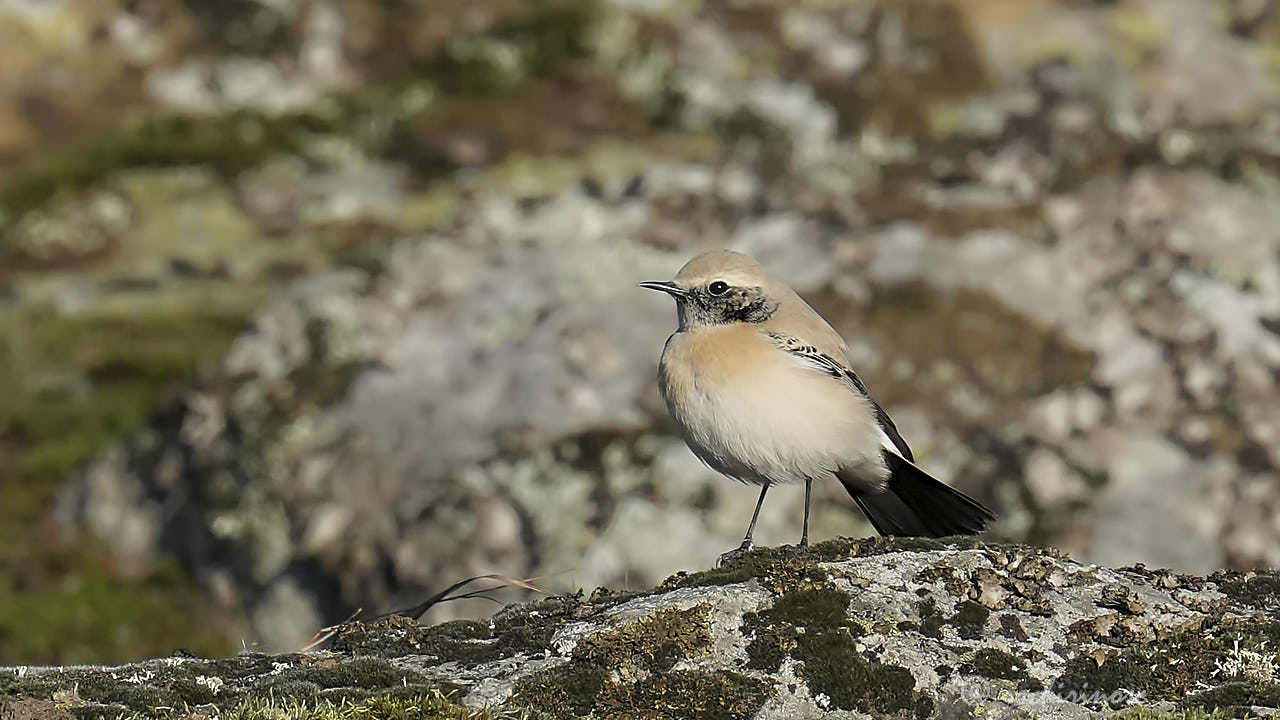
x=746, y=540
x=747, y=544
x=808, y=492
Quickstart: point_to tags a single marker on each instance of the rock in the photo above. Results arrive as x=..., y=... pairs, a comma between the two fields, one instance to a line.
x=847, y=628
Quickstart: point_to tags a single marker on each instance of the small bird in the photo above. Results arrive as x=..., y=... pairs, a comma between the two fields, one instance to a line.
x=760, y=387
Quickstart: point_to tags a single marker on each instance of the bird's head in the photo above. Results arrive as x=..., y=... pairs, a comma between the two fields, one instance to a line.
x=720, y=287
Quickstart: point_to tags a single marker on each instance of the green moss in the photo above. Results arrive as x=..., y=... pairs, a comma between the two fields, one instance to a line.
x=1084, y=676
x=648, y=648
x=105, y=689
x=567, y=690
x=788, y=567
x=393, y=636
x=777, y=568
x=654, y=643
x=465, y=641
x=464, y=630
x=100, y=712
x=368, y=673
x=1236, y=697
x=529, y=627
x=1174, y=667
x=970, y=619
x=1252, y=634
x=819, y=607
x=685, y=694
x=520, y=628
x=237, y=669
x=317, y=683
x=776, y=632
x=1257, y=589
x=769, y=646
x=833, y=666
x=385, y=706
x=995, y=664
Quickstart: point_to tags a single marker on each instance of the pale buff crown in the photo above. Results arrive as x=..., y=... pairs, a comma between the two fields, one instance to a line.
x=732, y=267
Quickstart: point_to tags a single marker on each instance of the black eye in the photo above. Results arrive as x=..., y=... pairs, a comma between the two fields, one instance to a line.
x=718, y=288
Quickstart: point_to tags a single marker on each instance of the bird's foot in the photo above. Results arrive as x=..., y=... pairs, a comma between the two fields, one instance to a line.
x=726, y=558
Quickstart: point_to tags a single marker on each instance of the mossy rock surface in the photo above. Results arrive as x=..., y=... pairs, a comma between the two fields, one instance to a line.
x=848, y=635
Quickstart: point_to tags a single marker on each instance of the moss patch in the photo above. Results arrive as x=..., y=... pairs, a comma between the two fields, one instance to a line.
x=970, y=619
x=227, y=684
x=775, y=632
x=568, y=690
x=465, y=641
x=818, y=607
x=997, y=664
x=396, y=705
x=1259, y=590
x=654, y=643
x=777, y=568
x=692, y=694
x=529, y=627
x=366, y=673
x=813, y=626
x=581, y=688
x=520, y=628
x=833, y=666
x=1237, y=697
x=788, y=567
x=1174, y=667
x=627, y=672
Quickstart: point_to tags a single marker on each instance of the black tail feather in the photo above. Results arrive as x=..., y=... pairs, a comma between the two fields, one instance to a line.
x=888, y=514
x=916, y=504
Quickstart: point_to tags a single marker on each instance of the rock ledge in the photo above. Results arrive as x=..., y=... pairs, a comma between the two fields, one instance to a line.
x=902, y=627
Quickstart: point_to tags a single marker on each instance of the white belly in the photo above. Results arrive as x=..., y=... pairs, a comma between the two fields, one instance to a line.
x=752, y=412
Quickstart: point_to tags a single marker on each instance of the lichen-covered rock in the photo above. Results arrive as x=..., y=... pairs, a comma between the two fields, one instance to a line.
x=847, y=628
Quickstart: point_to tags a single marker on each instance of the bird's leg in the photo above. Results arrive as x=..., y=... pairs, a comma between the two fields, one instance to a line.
x=808, y=492
x=746, y=539
x=747, y=544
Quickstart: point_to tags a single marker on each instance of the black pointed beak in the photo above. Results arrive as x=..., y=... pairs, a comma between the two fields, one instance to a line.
x=669, y=288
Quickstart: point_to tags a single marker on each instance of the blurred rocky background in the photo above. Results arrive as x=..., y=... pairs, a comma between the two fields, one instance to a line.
x=314, y=305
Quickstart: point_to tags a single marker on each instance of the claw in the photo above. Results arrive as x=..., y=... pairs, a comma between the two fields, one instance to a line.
x=745, y=547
